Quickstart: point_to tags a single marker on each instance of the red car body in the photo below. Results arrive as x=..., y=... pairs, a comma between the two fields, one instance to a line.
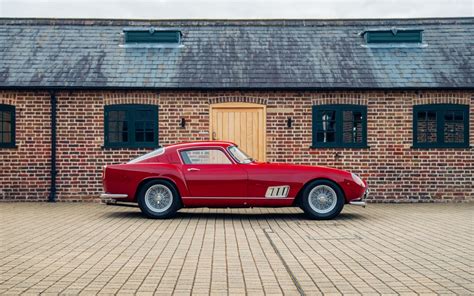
x=223, y=185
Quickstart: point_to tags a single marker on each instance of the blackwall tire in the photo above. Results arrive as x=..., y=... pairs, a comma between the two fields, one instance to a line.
x=158, y=199
x=322, y=200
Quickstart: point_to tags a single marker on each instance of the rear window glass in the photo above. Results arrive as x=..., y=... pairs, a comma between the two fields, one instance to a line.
x=154, y=153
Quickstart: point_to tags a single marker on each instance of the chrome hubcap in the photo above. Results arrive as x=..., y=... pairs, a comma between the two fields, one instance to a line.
x=158, y=198
x=322, y=199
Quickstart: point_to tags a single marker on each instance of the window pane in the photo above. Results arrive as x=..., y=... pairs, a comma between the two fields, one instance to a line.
x=211, y=156
x=145, y=115
x=448, y=116
x=6, y=127
x=453, y=138
x=458, y=115
x=421, y=138
x=121, y=115
x=124, y=137
x=139, y=126
x=149, y=126
x=421, y=116
x=123, y=126
x=113, y=126
x=113, y=137
x=426, y=127
x=325, y=137
x=347, y=115
x=453, y=131
x=139, y=136
x=357, y=116
x=326, y=125
x=7, y=116
x=453, y=127
x=328, y=115
x=431, y=116
x=431, y=137
x=352, y=127
x=7, y=137
x=113, y=115
x=150, y=137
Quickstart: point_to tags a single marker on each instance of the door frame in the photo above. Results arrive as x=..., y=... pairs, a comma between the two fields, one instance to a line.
x=241, y=105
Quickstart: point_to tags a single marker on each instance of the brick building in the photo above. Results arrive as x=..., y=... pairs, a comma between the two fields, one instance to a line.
x=389, y=99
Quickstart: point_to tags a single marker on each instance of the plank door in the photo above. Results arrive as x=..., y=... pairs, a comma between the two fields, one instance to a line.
x=241, y=123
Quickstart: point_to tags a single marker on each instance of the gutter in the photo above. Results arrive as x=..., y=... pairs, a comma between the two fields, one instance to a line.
x=54, y=172
x=237, y=88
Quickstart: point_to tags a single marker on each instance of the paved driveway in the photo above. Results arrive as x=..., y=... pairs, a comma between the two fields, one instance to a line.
x=90, y=248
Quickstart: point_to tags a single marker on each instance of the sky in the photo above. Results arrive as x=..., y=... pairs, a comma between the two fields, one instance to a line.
x=232, y=9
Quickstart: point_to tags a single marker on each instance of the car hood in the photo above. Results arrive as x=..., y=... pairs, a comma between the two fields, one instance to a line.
x=298, y=168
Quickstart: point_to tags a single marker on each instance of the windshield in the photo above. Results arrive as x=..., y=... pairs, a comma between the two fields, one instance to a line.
x=154, y=153
x=239, y=155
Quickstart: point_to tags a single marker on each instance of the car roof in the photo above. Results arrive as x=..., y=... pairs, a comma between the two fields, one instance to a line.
x=200, y=144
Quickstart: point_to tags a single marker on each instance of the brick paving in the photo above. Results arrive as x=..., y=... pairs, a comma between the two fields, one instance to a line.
x=68, y=248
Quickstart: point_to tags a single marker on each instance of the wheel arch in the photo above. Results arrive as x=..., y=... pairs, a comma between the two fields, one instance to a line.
x=158, y=178
x=297, y=200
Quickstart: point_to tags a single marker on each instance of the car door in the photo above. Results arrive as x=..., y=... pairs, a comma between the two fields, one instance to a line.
x=210, y=172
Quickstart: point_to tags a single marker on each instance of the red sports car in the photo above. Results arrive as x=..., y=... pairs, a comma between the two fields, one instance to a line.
x=219, y=174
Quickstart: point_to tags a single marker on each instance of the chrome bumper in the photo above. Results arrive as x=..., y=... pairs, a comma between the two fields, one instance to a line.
x=360, y=201
x=111, y=195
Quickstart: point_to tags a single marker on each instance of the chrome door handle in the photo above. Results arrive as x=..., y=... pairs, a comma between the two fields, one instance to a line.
x=193, y=170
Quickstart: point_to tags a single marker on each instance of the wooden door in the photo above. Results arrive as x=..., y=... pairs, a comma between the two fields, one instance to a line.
x=241, y=123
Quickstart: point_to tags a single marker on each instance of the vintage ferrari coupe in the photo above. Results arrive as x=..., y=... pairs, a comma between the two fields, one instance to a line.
x=219, y=174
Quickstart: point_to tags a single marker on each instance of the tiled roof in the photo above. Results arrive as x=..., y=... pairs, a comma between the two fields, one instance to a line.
x=235, y=54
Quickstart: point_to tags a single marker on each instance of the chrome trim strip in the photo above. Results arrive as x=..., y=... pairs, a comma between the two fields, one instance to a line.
x=233, y=197
x=111, y=195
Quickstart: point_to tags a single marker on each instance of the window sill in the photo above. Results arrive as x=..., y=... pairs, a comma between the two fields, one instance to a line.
x=441, y=147
x=339, y=147
x=129, y=147
x=9, y=147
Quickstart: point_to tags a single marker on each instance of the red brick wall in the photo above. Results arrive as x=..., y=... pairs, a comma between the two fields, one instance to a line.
x=394, y=170
x=25, y=170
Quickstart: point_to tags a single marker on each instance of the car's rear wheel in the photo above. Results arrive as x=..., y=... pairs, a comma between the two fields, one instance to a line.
x=322, y=200
x=158, y=199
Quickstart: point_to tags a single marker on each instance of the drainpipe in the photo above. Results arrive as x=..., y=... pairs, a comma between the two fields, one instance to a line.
x=52, y=190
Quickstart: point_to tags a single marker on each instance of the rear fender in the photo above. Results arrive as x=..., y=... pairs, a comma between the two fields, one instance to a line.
x=178, y=184
x=171, y=174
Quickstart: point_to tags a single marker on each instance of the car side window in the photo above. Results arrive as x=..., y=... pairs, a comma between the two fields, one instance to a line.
x=204, y=156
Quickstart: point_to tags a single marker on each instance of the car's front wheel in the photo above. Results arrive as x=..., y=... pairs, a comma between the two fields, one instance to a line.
x=158, y=199
x=322, y=200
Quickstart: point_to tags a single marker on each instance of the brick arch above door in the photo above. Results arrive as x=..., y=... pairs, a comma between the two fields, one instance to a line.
x=238, y=98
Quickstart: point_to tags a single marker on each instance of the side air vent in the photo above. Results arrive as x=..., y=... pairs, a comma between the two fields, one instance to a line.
x=277, y=191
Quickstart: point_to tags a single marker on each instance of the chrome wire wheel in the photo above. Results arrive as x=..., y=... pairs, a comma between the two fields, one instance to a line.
x=322, y=199
x=158, y=198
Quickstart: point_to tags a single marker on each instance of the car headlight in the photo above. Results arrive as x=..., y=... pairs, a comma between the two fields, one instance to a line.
x=357, y=180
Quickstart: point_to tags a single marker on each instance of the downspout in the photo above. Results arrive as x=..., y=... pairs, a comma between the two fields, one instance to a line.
x=52, y=190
